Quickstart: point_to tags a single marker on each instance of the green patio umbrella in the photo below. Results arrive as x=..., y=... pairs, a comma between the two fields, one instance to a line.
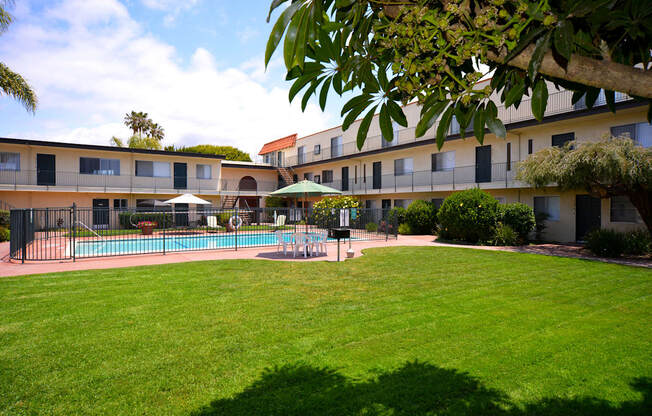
x=305, y=189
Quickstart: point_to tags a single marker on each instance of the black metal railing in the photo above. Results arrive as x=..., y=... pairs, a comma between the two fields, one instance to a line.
x=73, y=233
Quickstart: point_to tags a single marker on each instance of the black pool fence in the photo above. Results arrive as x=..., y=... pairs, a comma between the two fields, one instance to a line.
x=73, y=232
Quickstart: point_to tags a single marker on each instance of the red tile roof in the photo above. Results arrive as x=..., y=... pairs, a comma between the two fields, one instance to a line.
x=282, y=143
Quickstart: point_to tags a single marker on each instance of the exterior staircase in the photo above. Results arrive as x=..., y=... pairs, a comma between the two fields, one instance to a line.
x=286, y=174
x=229, y=201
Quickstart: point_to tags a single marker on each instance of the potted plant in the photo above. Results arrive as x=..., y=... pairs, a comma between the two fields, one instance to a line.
x=147, y=227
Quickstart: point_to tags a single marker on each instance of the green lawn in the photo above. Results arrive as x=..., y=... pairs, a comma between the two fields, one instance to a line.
x=400, y=331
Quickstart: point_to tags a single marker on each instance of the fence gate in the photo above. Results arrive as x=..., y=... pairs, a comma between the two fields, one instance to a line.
x=41, y=234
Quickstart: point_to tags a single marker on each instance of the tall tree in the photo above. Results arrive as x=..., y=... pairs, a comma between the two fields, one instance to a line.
x=138, y=122
x=12, y=83
x=138, y=142
x=156, y=131
x=396, y=51
x=231, y=153
x=607, y=168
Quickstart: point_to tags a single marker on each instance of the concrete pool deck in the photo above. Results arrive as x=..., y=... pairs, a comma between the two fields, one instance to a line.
x=15, y=268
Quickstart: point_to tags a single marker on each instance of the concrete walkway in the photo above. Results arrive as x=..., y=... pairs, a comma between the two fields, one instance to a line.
x=13, y=268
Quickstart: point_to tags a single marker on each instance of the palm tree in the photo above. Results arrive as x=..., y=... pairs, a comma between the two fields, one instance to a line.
x=156, y=131
x=137, y=122
x=12, y=83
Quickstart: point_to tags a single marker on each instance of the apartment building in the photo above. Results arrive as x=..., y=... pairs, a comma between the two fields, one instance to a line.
x=39, y=174
x=385, y=174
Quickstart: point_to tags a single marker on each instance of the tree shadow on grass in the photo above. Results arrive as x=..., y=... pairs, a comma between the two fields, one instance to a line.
x=414, y=389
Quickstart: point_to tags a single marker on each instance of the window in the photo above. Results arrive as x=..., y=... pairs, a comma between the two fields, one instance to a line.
x=317, y=149
x=307, y=176
x=547, y=205
x=152, y=169
x=336, y=146
x=641, y=133
x=9, y=161
x=327, y=176
x=529, y=146
x=437, y=202
x=268, y=158
x=301, y=155
x=622, y=210
x=443, y=161
x=600, y=100
x=355, y=174
x=364, y=173
x=97, y=166
x=509, y=156
x=317, y=178
x=386, y=203
x=403, y=203
x=500, y=199
x=204, y=172
x=561, y=139
x=403, y=166
x=394, y=142
x=119, y=204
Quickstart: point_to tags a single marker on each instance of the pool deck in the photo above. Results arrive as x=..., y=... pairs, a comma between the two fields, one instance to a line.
x=15, y=268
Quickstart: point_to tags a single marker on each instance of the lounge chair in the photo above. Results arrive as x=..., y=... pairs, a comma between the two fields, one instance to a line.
x=211, y=222
x=280, y=222
x=281, y=240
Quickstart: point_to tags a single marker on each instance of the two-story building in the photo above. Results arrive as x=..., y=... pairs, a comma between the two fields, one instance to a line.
x=385, y=173
x=39, y=174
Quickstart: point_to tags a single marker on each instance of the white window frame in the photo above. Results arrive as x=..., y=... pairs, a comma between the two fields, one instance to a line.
x=550, y=199
x=154, y=170
x=5, y=164
x=203, y=170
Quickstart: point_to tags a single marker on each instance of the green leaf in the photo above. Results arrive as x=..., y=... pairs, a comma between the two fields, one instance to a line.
x=354, y=102
x=353, y=114
x=577, y=96
x=429, y=118
x=591, y=95
x=310, y=91
x=492, y=110
x=478, y=124
x=443, y=126
x=515, y=93
x=524, y=41
x=541, y=47
x=274, y=5
x=496, y=126
x=385, y=123
x=323, y=94
x=539, y=99
x=563, y=39
x=299, y=84
x=397, y=113
x=382, y=79
x=278, y=30
x=363, y=129
x=292, y=37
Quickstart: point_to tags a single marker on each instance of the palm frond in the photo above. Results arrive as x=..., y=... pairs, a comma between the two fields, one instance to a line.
x=13, y=84
x=5, y=17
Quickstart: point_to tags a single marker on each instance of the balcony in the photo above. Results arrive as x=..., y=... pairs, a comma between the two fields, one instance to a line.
x=251, y=188
x=30, y=180
x=494, y=176
x=558, y=103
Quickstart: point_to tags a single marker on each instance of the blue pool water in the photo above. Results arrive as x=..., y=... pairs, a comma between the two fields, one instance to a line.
x=114, y=247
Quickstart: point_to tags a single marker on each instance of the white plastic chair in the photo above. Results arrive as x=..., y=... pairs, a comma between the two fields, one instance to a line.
x=300, y=243
x=282, y=241
x=211, y=222
x=280, y=221
x=320, y=242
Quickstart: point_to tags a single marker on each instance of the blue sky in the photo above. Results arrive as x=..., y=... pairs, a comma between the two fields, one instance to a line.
x=195, y=66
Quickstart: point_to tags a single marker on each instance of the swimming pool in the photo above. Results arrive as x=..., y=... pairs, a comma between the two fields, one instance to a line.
x=114, y=247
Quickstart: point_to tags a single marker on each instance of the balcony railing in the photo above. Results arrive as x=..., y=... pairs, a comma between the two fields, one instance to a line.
x=496, y=175
x=558, y=103
x=126, y=183
x=238, y=187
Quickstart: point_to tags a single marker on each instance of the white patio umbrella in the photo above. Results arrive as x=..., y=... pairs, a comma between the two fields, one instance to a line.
x=187, y=199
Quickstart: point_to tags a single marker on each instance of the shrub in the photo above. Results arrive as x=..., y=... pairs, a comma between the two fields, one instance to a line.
x=421, y=216
x=469, y=215
x=371, y=227
x=4, y=218
x=4, y=234
x=130, y=220
x=323, y=213
x=396, y=216
x=606, y=243
x=504, y=235
x=275, y=202
x=519, y=217
x=638, y=242
x=405, y=229
x=540, y=225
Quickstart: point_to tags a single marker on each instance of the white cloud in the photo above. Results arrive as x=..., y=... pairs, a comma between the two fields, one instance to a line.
x=90, y=61
x=171, y=7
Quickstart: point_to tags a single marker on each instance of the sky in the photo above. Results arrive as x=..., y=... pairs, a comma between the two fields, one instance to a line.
x=195, y=66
